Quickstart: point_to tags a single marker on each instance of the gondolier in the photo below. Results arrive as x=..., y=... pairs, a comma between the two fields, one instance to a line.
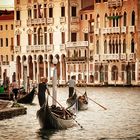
x=42, y=87
x=71, y=83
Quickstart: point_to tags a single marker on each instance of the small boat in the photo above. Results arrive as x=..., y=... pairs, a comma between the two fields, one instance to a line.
x=81, y=101
x=52, y=117
x=27, y=98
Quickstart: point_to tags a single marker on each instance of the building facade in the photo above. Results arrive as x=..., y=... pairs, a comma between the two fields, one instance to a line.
x=96, y=46
x=7, y=65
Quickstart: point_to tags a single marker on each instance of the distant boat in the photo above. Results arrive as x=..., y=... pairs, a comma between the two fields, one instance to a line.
x=52, y=117
x=81, y=101
x=28, y=97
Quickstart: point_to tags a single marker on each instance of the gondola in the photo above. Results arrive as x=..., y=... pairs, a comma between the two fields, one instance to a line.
x=28, y=97
x=52, y=117
x=81, y=101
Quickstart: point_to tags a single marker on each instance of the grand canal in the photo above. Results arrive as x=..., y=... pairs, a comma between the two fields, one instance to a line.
x=121, y=120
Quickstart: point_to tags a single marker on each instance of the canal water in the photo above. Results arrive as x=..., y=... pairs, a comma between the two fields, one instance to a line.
x=121, y=120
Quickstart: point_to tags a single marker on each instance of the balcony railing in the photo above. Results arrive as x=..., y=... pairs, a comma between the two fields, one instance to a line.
x=123, y=56
x=104, y=31
x=62, y=19
x=36, y=21
x=77, y=44
x=50, y=20
x=49, y=47
x=62, y=47
x=123, y=29
x=74, y=19
x=96, y=31
x=96, y=57
x=132, y=56
x=114, y=3
x=17, y=49
x=76, y=58
x=17, y=23
x=110, y=57
x=35, y=48
x=131, y=29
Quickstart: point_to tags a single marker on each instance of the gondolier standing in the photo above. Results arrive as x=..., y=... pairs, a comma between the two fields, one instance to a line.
x=71, y=83
x=42, y=87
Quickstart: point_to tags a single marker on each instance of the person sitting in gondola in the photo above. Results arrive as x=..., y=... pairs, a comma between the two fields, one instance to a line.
x=42, y=87
x=71, y=83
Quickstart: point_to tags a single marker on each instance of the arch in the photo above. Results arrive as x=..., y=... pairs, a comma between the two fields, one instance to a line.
x=105, y=20
x=116, y=46
x=124, y=19
x=132, y=46
x=124, y=46
x=30, y=63
x=40, y=36
x=105, y=47
x=98, y=21
x=97, y=47
x=63, y=66
x=114, y=73
x=133, y=18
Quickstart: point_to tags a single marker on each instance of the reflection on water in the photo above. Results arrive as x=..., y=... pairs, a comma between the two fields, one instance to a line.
x=121, y=120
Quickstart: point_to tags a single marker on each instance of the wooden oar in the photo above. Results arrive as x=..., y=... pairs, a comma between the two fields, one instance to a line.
x=94, y=101
x=65, y=110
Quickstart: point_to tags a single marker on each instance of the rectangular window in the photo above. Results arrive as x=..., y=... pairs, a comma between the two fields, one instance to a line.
x=17, y=15
x=35, y=13
x=29, y=13
x=12, y=27
x=6, y=27
x=62, y=11
x=1, y=42
x=45, y=38
x=45, y=12
x=1, y=27
x=50, y=12
x=85, y=36
x=63, y=37
x=35, y=39
x=6, y=58
x=73, y=37
x=12, y=57
x=18, y=40
x=12, y=41
x=51, y=38
x=29, y=39
x=133, y=71
x=98, y=1
x=73, y=11
x=91, y=38
x=6, y=42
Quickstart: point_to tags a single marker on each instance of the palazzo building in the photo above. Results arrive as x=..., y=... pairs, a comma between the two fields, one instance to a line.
x=7, y=64
x=98, y=44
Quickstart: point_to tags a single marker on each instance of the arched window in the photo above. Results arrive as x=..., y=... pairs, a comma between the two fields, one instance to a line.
x=98, y=22
x=124, y=46
x=79, y=53
x=116, y=46
x=117, y=20
x=124, y=19
x=132, y=46
x=133, y=18
x=113, y=21
x=40, y=36
x=105, y=21
x=97, y=47
x=105, y=47
x=110, y=47
x=120, y=46
x=113, y=44
x=114, y=73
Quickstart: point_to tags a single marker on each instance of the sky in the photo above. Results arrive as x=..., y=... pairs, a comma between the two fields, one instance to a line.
x=6, y=3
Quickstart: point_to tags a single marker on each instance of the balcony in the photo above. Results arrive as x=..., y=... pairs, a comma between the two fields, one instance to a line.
x=104, y=31
x=123, y=56
x=96, y=57
x=17, y=49
x=35, y=48
x=123, y=29
x=50, y=20
x=114, y=3
x=77, y=44
x=96, y=31
x=17, y=23
x=62, y=19
x=74, y=19
x=82, y=58
x=115, y=30
x=110, y=57
x=62, y=47
x=131, y=29
x=132, y=56
x=36, y=21
x=49, y=47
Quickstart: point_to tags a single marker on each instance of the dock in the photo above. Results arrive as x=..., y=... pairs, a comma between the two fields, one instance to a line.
x=10, y=110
